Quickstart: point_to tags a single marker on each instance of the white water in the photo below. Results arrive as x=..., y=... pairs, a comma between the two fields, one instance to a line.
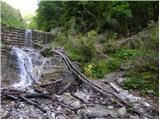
x=29, y=62
x=28, y=38
x=25, y=66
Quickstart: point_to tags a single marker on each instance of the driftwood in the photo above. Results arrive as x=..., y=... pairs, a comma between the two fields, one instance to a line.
x=54, y=82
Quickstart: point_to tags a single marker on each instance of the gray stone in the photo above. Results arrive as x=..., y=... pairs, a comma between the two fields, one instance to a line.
x=121, y=112
x=134, y=117
x=110, y=107
x=76, y=104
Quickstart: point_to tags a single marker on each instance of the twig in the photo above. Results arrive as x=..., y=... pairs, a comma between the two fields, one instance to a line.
x=54, y=82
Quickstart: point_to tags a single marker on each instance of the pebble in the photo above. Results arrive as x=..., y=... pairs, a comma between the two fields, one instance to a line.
x=110, y=107
x=59, y=108
x=12, y=103
x=146, y=104
x=121, y=112
x=53, y=115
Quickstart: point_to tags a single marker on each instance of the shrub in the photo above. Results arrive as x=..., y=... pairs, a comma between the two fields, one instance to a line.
x=82, y=46
x=96, y=69
x=125, y=53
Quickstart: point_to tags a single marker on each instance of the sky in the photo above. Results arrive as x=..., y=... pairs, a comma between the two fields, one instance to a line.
x=26, y=7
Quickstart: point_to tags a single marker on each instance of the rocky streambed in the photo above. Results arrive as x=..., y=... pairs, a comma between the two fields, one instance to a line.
x=59, y=94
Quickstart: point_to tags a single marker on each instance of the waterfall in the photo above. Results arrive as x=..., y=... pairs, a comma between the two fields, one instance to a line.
x=30, y=64
x=25, y=67
x=28, y=38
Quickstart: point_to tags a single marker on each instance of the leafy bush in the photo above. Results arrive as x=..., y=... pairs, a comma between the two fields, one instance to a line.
x=98, y=68
x=81, y=48
x=139, y=83
x=113, y=64
x=135, y=83
x=126, y=53
x=109, y=48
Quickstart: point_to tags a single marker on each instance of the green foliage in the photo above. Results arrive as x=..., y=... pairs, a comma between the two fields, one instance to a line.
x=154, y=36
x=96, y=69
x=111, y=15
x=113, y=64
x=135, y=83
x=30, y=22
x=81, y=48
x=109, y=48
x=11, y=16
x=126, y=53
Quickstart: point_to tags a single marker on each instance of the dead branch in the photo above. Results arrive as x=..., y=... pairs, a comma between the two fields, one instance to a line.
x=54, y=82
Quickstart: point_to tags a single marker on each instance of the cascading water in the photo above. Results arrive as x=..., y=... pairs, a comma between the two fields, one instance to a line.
x=25, y=67
x=28, y=38
x=29, y=63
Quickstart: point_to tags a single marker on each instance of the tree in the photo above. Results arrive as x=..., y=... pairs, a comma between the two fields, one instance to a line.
x=11, y=16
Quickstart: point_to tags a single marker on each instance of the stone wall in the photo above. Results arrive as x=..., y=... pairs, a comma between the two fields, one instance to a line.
x=16, y=36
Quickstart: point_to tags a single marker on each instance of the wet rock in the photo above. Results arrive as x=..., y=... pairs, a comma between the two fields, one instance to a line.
x=45, y=51
x=121, y=112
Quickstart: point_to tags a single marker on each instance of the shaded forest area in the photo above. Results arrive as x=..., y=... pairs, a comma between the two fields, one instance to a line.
x=102, y=37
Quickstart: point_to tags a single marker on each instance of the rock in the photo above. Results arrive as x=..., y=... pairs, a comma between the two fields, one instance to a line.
x=53, y=115
x=59, y=108
x=4, y=114
x=110, y=107
x=60, y=117
x=45, y=51
x=150, y=91
x=134, y=117
x=12, y=103
x=146, y=104
x=120, y=80
x=121, y=112
x=21, y=105
x=76, y=104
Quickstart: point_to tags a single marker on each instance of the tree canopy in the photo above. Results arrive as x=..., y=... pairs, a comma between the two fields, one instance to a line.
x=101, y=15
x=11, y=16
